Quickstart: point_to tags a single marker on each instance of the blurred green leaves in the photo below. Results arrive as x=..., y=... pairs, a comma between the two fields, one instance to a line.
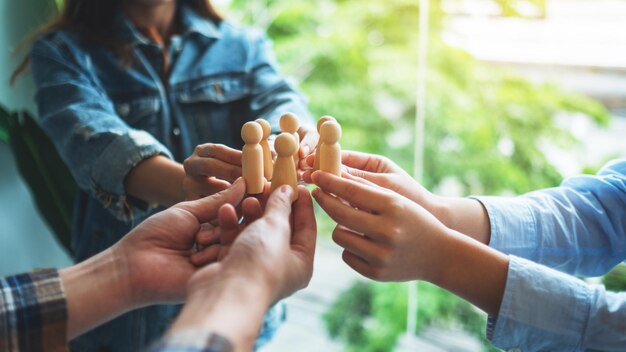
x=47, y=177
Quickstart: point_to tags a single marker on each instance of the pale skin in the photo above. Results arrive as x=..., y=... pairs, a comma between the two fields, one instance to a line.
x=267, y=259
x=212, y=167
x=392, y=229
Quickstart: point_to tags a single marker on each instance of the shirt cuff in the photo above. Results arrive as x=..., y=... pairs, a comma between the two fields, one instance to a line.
x=114, y=164
x=541, y=309
x=33, y=312
x=193, y=340
x=513, y=225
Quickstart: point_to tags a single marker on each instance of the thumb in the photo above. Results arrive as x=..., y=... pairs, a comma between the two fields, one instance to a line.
x=278, y=207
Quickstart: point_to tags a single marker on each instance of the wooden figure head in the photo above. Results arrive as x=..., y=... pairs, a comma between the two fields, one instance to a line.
x=330, y=132
x=289, y=122
x=265, y=126
x=251, y=132
x=323, y=119
x=285, y=145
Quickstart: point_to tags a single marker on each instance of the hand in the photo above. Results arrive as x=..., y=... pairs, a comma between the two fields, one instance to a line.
x=268, y=250
x=384, y=173
x=267, y=261
x=386, y=236
x=157, y=252
x=210, y=169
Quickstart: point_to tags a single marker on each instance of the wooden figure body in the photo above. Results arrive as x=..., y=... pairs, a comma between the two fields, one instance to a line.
x=290, y=123
x=330, y=150
x=252, y=157
x=284, y=168
x=268, y=163
x=320, y=122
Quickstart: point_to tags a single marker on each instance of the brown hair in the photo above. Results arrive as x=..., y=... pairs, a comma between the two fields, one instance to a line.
x=93, y=19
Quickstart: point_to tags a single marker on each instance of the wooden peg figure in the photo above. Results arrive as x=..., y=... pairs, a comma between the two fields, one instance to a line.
x=290, y=123
x=330, y=150
x=284, y=168
x=252, y=158
x=320, y=122
x=268, y=164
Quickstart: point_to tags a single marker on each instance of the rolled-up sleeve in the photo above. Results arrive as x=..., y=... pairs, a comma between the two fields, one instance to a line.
x=271, y=93
x=578, y=228
x=99, y=148
x=546, y=310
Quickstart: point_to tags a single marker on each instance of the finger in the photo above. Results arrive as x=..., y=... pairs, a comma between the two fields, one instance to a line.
x=305, y=226
x=205, y=256
x=251, y=208
x=208, y=237
x=229, y=224
x=343, y=214
x=364, y=180
x=358, y=264
x=278, y=209
x=358, y=244
x=212, y=167
x=219, y=151
x=308, y=142
x=205, y=209
x=357, y=194
x=201, y=186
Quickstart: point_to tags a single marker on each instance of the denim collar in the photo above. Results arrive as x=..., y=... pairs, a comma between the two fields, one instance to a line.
x=190, y=22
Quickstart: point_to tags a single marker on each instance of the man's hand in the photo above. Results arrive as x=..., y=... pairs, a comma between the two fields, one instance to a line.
x=210, y=169
x=157, y=252
x=268, y=260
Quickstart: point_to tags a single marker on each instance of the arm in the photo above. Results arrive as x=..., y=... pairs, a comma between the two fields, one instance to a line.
x=387, y=237
x=150, y=265
x=578, y=227
x=99, y=148
x=269, y=260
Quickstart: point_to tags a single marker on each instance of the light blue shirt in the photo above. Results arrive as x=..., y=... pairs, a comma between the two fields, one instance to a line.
x=578, y=228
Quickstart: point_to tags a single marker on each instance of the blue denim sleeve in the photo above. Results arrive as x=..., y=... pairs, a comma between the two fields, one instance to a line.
x=578, y=228
x=272, y=94
x=99, y=148
x=545, y=310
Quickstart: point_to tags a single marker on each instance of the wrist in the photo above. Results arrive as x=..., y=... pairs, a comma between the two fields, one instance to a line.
x=229, y=305
x=96, y=290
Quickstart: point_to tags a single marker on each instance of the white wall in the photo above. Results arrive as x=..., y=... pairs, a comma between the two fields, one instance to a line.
x=25, y=240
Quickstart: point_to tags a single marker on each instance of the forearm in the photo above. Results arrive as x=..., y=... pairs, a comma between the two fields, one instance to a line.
x=157, y=179
x=465, y=215
x=472, y=271
x=96, y=291
x=231, y=307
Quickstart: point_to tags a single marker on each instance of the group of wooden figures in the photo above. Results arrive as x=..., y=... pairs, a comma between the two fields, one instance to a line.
x=259, y=166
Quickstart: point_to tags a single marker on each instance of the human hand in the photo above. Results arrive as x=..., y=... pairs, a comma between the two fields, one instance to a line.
x=210, y=169
x=385, y=236
x=267, y=249
x=156, y=254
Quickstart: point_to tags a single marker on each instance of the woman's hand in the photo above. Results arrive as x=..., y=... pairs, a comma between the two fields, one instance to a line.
x=210, y=169
x=157, y=252
x=386, y=236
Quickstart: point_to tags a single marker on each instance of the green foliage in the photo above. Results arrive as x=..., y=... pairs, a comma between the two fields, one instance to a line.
x=50, y=182
x=370, y=316
x=616, y=279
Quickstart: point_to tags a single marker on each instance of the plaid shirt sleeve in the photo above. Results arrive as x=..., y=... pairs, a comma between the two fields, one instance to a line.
x=33, y=312
x=193, y=340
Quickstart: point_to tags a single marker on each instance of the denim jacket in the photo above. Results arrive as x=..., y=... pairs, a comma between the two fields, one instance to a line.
x=105, y=117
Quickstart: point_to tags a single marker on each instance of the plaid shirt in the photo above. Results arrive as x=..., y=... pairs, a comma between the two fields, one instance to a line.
x=33, y=313
x=33, y=317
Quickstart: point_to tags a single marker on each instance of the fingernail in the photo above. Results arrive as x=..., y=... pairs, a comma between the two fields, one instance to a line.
x=285, y=189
